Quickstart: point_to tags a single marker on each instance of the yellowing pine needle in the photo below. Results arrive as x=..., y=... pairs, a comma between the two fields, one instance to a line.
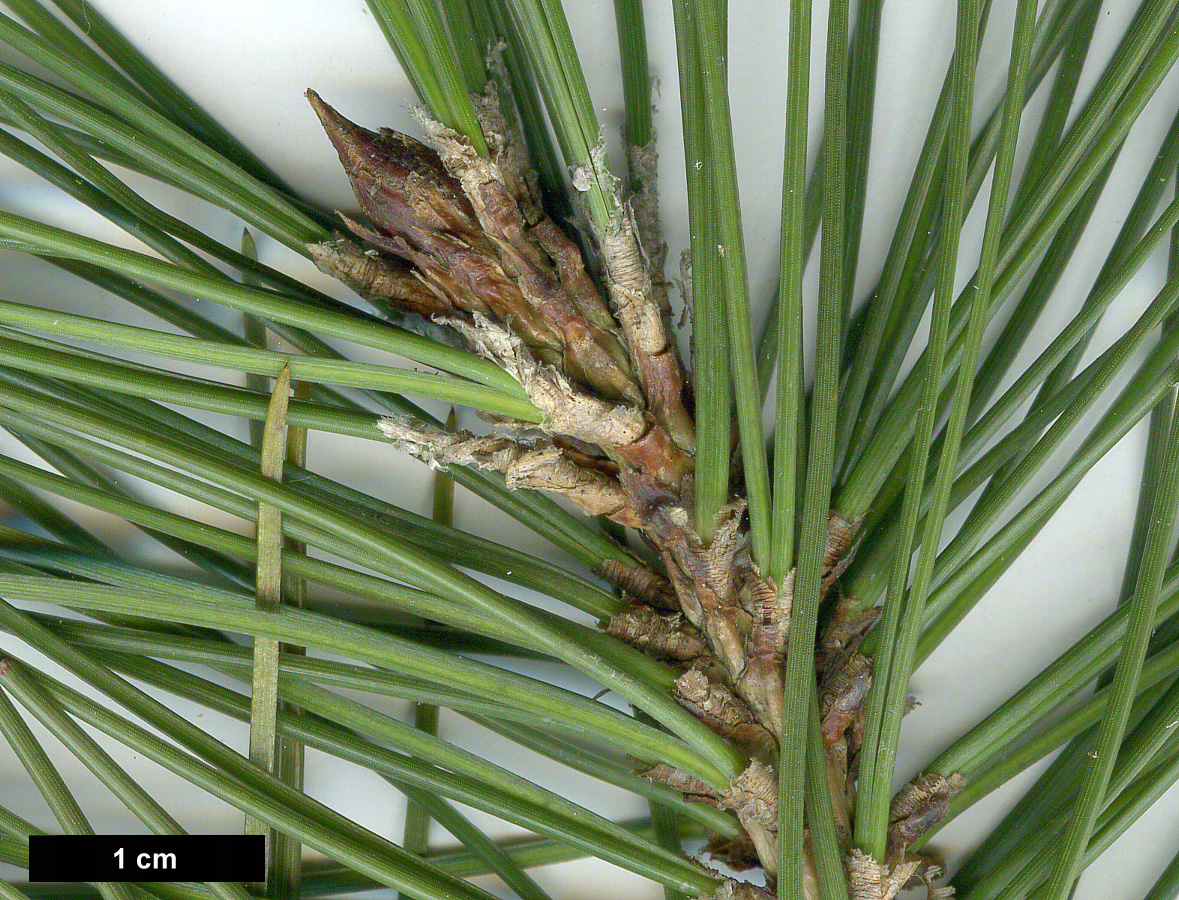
x=268, y=596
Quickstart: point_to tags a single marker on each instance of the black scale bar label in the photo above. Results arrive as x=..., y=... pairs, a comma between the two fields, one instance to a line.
x=106, y=857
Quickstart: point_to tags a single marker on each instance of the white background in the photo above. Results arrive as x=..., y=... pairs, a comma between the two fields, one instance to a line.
x=248, y=64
